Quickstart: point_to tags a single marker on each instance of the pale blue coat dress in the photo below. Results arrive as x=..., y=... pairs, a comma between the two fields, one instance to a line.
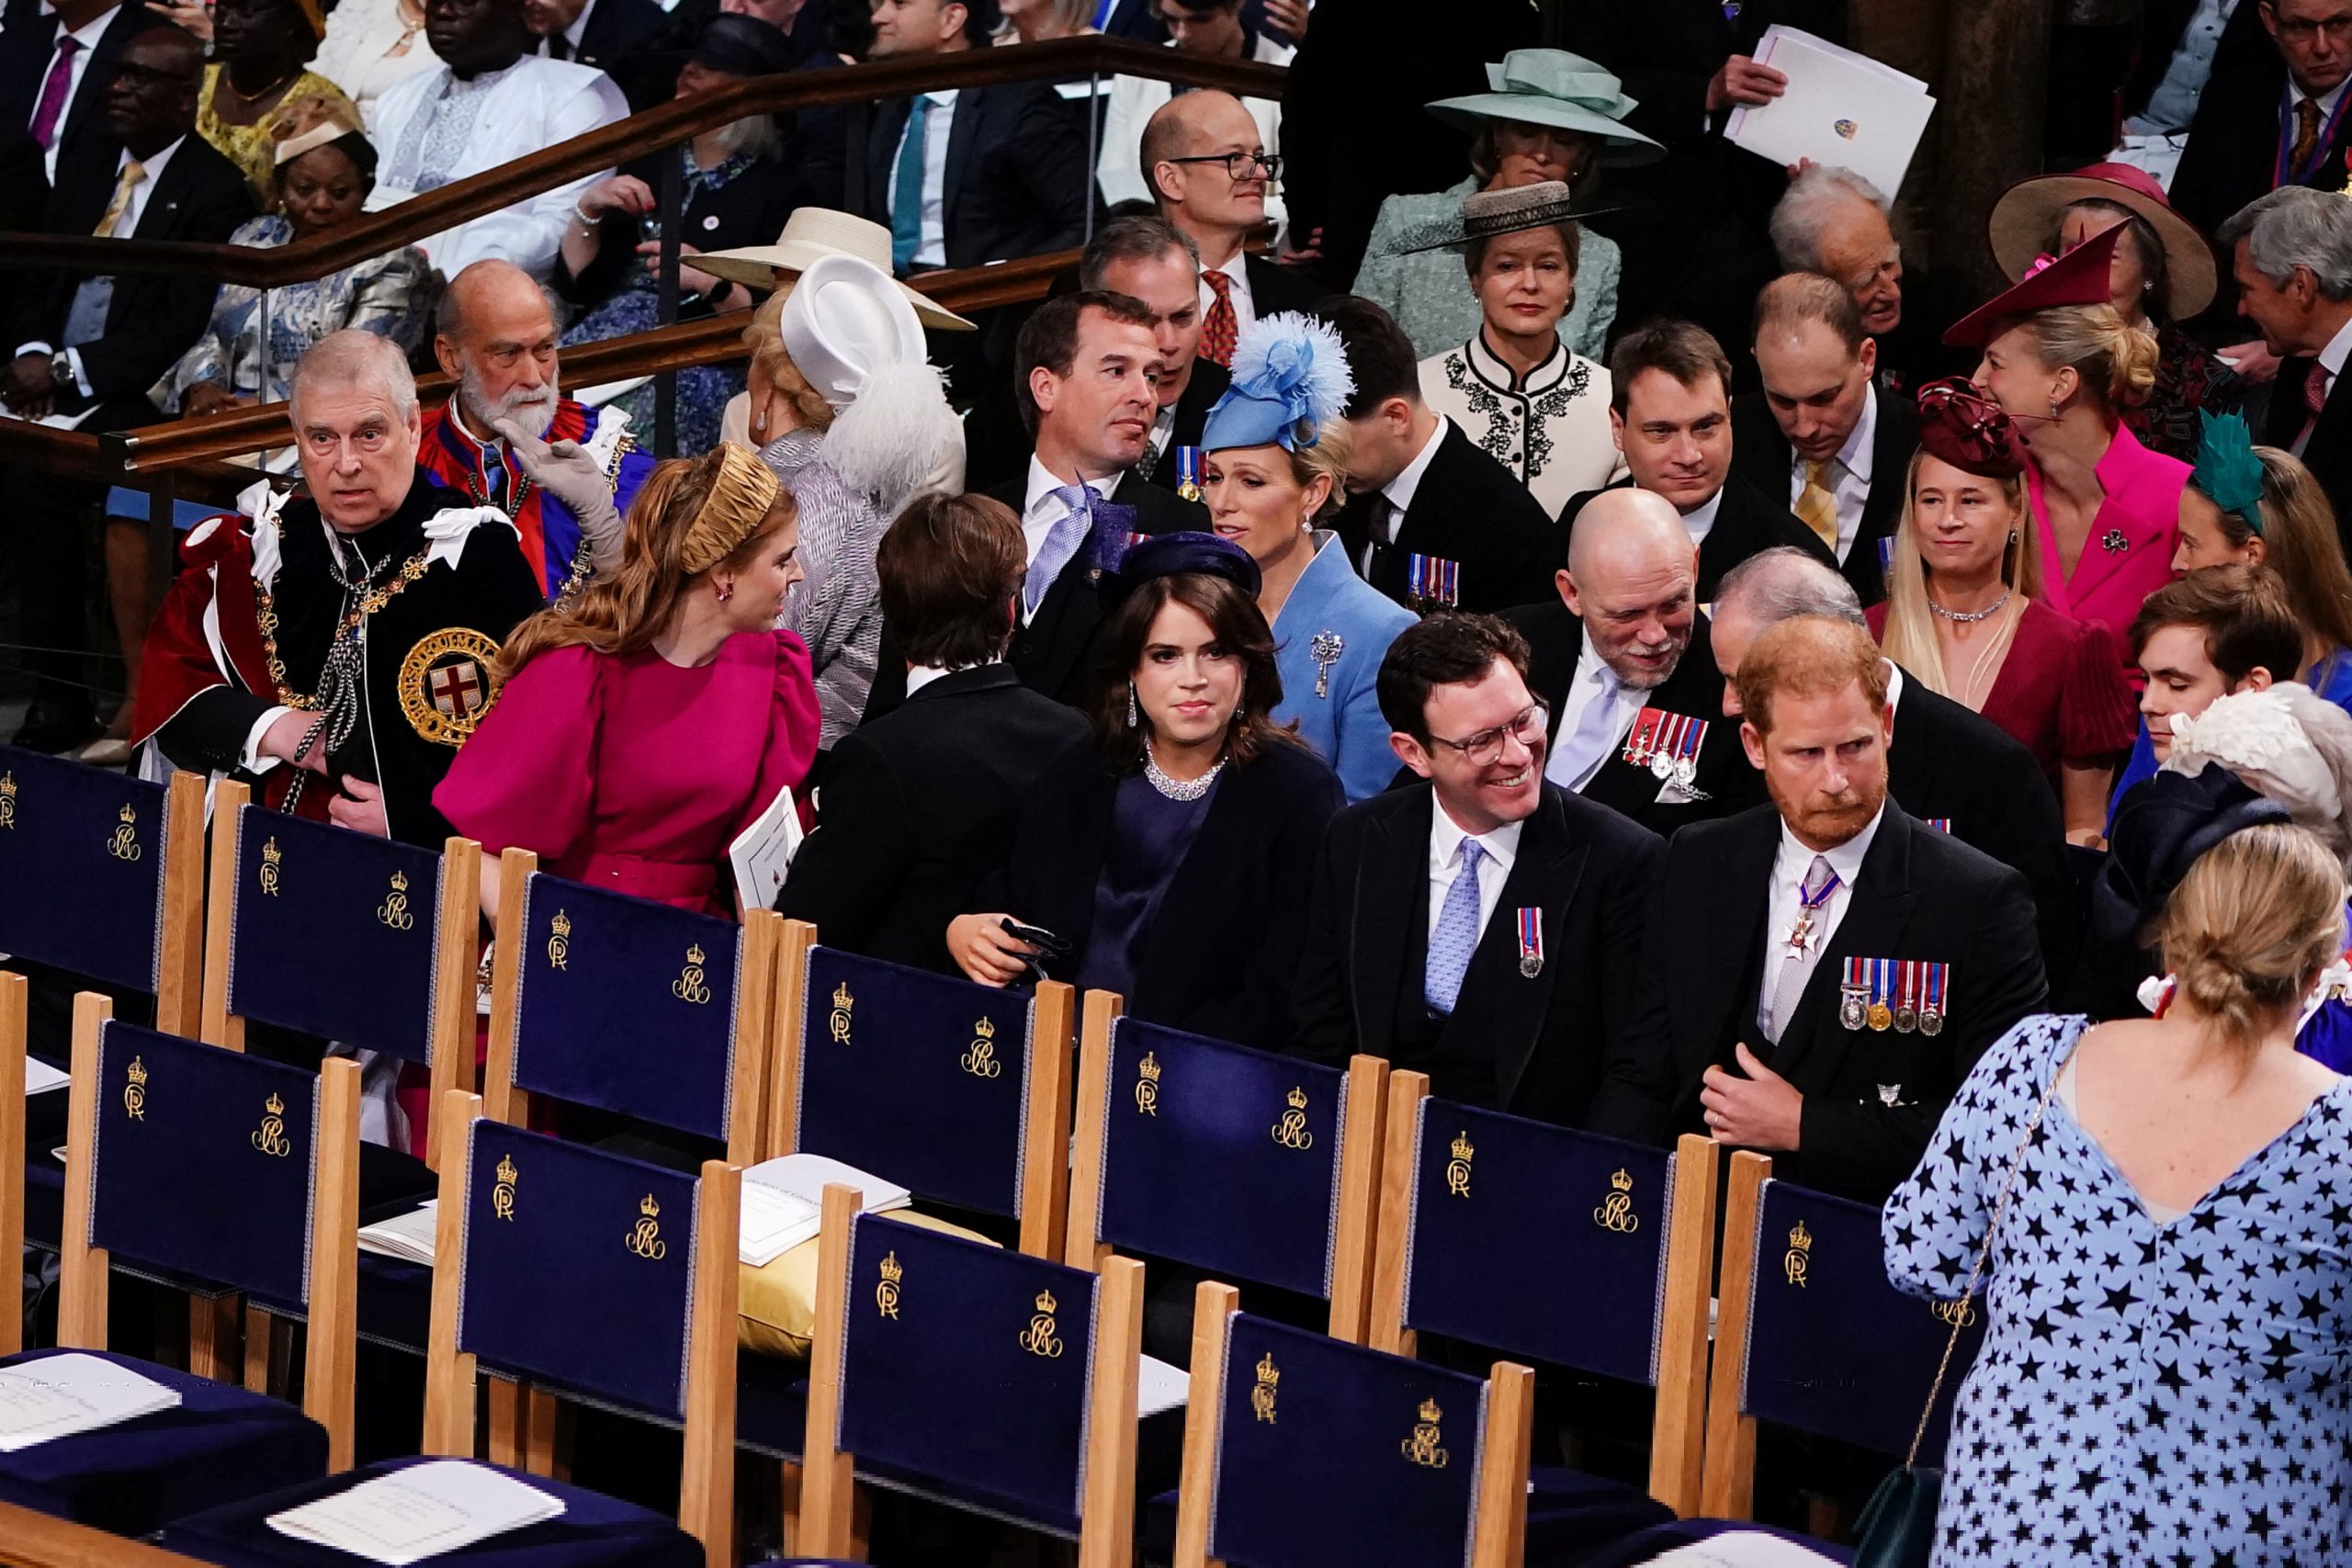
x=1334, y=613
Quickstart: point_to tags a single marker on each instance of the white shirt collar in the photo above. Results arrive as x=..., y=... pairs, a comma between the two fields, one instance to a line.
x=1855, y=456
x=2326, y=101
x=2338, y=349
x=1846, y=860
x=89, y=32
x=154, y=163
x=579, y=27
x=1399, y=490
x=1446, y=835
x=1700, y=519
x=922, y=675
x=1894, y=684
x=1043, y=482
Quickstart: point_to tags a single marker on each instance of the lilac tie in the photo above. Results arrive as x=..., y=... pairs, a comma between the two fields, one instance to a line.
x=51, y=106
x=1063, y=542
x=1455, y=935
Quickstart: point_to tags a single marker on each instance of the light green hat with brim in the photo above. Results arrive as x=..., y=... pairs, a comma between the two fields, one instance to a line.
x=1551, y=86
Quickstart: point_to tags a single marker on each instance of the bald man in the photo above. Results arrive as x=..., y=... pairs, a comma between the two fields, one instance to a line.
x=1206, y=159
x=510, y=438
x=1622, y=659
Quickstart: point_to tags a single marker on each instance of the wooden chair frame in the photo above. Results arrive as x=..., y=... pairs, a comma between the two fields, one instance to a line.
x=1505, y=1445
x=1678, y=1432
x=179, y=968
x=706, y=1486
x=331, y=1356
x=1044, y=1154
x=1730, y=1491
x=1362, y=1136
x=827, y=1523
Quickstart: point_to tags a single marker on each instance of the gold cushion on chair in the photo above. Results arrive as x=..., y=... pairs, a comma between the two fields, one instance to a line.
x=779, y=1302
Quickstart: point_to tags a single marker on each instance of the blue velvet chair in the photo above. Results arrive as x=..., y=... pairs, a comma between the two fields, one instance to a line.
x=214, y=1172
x=991, y=1380
x=633, y=1006
x=1607, y=1248
x=1239, y=1163
x=103, y=876
x=605, y=1277
x=1302, y=1451
x=956, y=1091
x=1811, y=1336
x=302, y=909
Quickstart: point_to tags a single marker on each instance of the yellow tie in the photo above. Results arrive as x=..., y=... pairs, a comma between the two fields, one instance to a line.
x=1816, y=504
x=134, y=173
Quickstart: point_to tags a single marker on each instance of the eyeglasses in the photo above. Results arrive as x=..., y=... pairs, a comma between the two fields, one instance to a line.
x=2303, y=30
x=1241, y=165
x=1486, y=748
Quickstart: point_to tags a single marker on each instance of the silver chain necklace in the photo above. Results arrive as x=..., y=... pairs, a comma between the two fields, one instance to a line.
x=1969, y=617
x=1179, y=789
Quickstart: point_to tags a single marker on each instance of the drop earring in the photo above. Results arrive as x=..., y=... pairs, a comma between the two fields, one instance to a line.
x=2054, y=408
x=726, y=592
x=2013, y=535
x=1133, y=716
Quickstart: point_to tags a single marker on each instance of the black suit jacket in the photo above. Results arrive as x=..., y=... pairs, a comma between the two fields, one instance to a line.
x=2328, y=455
x=1921, y=895
x=1554, y=642
x=1467, y=509
x=1553, y=1034
x=1222, y=949
x=153, y=318
x=1762, y=455
x=2233, y=151
x=1748, y=523
x=1205, y=386
x=894, y=857
x=1049, y=653
x=1949, y=763
x=29, y=38
x=1274, y=286
x=1016, y=182
x=620, y=40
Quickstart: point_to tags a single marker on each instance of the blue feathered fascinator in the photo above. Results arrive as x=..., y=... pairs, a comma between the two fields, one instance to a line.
x=1290, y=373
x=2228, y=473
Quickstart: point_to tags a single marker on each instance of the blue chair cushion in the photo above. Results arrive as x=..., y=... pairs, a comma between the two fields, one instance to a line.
x=592, y=1531
x=219, y=1445
x=1650, y=1543
x=85, y=886
x=772, y=1405
x=1571, y=1515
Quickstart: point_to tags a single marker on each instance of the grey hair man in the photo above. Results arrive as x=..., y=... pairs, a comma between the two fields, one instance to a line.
x=2291, y=255
x=1832, y=221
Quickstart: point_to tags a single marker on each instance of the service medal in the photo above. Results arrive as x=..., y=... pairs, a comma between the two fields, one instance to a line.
x=1931, y=1010
x=1906, y=1016
x=1686, y=772
x=1881, y=1017
x=1853, y=995
x=1531, y=942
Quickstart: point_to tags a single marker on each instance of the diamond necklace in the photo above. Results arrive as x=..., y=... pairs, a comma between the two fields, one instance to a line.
x=1179, y=789
x=1969, y=617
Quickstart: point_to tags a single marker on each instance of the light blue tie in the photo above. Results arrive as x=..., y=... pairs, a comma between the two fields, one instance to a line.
x=1062, y=541
x=1455, y=935
x=1581, y=749
x=906, y=188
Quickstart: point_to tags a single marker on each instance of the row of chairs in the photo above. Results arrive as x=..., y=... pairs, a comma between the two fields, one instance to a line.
x=1406, y=1214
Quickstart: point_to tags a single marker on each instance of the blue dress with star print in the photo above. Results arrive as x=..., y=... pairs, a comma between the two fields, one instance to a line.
x=2147, y=1394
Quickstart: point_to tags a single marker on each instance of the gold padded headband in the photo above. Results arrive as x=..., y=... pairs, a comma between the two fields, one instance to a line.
x=741, y=500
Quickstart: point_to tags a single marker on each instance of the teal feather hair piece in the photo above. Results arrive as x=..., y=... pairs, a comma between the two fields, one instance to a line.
x=2228, y=473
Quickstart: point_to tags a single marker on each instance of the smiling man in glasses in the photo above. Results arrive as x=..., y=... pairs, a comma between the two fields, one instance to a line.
x=1209, y=170
x=1484, y=926
x=1214, y=28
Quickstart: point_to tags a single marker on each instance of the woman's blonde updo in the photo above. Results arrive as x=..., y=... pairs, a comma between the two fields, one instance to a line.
x=1326, y=459
x=2248, y=929
x=666, y=544
x=2116, y=361
x=772, y=364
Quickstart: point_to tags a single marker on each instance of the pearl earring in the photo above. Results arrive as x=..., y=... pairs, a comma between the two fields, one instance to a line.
x=760, y=425
x=726, y=592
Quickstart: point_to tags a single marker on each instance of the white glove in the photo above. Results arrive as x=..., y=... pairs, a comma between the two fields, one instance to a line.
x=566, y=471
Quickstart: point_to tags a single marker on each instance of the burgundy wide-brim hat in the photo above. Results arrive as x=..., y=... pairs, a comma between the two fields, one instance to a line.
x=2078, y=278
x=2028, y=212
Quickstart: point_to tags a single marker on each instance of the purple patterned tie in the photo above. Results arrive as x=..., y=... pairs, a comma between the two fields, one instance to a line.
x=51, y=106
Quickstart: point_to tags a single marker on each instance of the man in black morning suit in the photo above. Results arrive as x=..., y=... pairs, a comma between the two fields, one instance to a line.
x=1945, y=762
x=1621, y=657
x=1419, y=487
x=2290, y=251
x=1151, y=260
x=31, y=39
x=2266, y=118
x=1482, y=926
x=1670, y=412
x=1757, y=915
x=1088, y=364
x=894, y=856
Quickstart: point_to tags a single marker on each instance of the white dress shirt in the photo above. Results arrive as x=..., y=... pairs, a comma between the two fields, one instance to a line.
x=922, y=675
x=1400, y=492
x=1118, y=165
x=1700, y=520
x=87, y=35
x=125, y=226
x=1445, y=862
x=939, y=124
x=2326, y=101
x=1041, y=509
x=1585, y=688
x=2331, y=366
x=575, y=33
x=1245, y=309
x=1849, y=474
x=1790, y=865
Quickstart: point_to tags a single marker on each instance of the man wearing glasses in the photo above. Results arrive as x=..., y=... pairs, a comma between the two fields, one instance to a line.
x=2270, y=117
x=1210, y=172
x=1483, y=926
x=1214, y=28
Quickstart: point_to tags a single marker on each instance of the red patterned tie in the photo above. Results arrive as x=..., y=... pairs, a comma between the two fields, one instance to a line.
x=1219, y=329
x=2315, y=399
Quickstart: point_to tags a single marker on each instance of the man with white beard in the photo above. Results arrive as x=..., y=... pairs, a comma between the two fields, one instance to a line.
x=1622, y=660
x=509, y=438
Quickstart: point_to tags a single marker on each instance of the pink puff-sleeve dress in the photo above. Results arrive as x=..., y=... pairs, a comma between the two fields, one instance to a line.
x=627, y=772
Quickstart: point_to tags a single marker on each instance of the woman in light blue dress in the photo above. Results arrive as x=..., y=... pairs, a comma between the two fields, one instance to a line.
x=1274, y=451
x=1548, y=115
x=2167, y=1370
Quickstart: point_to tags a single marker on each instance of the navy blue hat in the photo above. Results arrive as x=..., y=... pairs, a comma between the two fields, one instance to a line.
x=1172, y=555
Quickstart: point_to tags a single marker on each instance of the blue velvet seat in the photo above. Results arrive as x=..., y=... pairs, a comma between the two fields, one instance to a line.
x=1320, y=1453
x=996, y=1382
x=1607, y=1250
x=1242, y=1164
x=1812, y=1337
x=231, y=1173
x=573, y=1269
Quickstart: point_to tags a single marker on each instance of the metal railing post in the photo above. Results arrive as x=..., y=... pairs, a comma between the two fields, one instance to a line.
x=665, y=382
x=1093, y=108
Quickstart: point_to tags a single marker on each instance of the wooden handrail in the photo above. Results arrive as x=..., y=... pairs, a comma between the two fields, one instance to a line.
x=29, y=1539
x=494, y=190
